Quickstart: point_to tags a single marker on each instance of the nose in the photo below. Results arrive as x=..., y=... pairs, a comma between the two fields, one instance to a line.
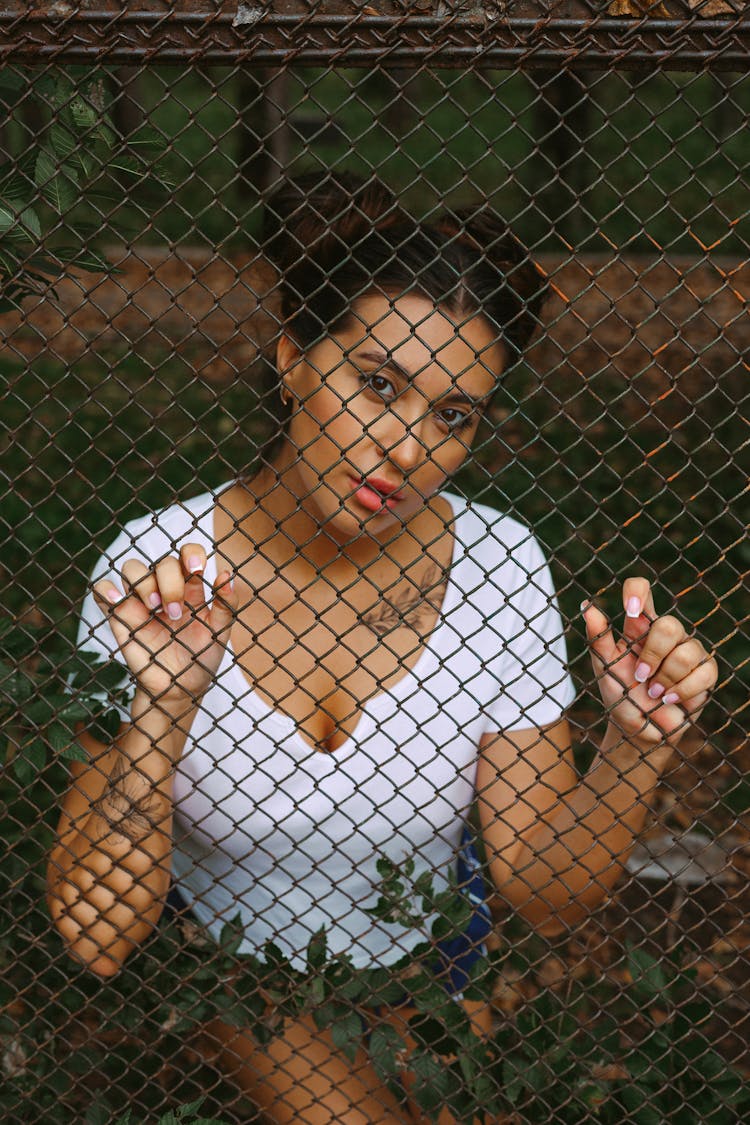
x=399, y=438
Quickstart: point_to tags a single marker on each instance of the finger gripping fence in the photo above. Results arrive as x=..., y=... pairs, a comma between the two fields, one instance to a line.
x=373, y=653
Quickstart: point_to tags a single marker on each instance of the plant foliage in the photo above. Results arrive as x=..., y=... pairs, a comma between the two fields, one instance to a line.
x=71, y=1043
x=53, y=197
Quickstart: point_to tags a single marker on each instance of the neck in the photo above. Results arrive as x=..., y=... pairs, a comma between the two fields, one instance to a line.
x=286, y=527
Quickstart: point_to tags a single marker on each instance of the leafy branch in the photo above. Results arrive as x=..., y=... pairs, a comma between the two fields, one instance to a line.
x=56, y=197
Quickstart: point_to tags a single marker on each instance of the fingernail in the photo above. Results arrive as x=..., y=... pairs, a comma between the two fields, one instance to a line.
x=671, y=697
x=174, y=611
x=585, y=605
x=633, y=609
x=113, y=596
x=195, y=564
x=655, y=690
x=642, y=672
x=154, y=600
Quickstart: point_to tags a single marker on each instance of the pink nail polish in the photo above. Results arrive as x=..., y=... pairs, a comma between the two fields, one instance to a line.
x=671, y=697
x=174, y=611
x=633, y=608
x=642, y=672
x=113, y=596
x=656, y=690
x=194, y=564
x=154, y=600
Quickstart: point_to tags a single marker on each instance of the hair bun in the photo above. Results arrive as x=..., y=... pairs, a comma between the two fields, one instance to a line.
x=484, y=241
x=319, y=215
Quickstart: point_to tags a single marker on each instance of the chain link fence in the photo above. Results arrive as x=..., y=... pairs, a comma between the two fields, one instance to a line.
x=330, y=949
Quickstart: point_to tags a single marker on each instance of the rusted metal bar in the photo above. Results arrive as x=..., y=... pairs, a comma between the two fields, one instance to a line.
x=479, y=35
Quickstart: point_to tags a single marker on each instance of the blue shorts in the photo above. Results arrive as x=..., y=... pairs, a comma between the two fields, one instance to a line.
x=457, y=955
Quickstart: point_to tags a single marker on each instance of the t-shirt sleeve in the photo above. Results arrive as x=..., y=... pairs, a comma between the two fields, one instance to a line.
x=534, y=684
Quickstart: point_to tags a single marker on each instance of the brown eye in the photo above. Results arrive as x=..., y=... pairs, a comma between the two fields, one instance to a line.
x=455, y=419
x=378, y=383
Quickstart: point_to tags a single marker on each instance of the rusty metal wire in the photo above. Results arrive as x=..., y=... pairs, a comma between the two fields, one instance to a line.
x=140, y=371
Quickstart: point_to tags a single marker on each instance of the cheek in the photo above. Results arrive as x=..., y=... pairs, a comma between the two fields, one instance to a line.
x=449, y=455
x=328, y=430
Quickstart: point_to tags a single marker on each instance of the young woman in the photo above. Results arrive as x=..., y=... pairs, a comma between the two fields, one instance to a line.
x=334, y=659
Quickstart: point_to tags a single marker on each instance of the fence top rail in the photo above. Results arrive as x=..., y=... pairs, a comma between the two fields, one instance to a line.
x=628, y=34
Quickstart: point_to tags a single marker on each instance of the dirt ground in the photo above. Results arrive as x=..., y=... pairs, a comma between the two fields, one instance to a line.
x=658, y=322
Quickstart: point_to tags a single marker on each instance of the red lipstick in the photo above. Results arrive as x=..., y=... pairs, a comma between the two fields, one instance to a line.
x=376, y=493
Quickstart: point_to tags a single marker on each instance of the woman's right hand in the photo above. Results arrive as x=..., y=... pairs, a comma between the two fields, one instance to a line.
x=172, y=639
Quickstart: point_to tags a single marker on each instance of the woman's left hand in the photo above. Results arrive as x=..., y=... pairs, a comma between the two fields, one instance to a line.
x=657, y=678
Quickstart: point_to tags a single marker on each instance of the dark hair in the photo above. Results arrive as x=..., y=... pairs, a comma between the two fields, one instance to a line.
x=336, y=238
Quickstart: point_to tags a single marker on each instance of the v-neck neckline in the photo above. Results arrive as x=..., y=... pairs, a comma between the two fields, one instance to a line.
x=424, y=666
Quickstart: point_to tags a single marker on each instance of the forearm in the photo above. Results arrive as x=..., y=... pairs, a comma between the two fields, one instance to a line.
x=569, y=862
x=107, y=882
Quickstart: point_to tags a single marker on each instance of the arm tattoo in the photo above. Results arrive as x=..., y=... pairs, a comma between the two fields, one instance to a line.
x=412, y=608
x=125, y=807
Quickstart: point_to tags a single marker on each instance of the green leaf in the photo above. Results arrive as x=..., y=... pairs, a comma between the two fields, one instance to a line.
x=106, y=135
x=13, y=188
x=45, y=168
x=59, y=187
x=11, y=267
x=64, y=90
x=11, y=226
x=29, y=760
x=232, y=935
x=94, y=263
x=423, y=888
x=432, y=1081
x=59, y=737
x=63, y=141
x=453, y=921
x=380, y=988
x=99, y=1114
x=39, y=712
x=86, y=163
x=317, y=950
x=387, y=1050
x=273, y=955
x=84, y=114
x=30, y=222
x=327, y=1014
x=385, y=867
x=148, y=137
x=45, y=264
x=639, y=1103
x=647, y=973
x=346, y=1033
x=123, y=163
x=164, y=175
x=74, y=753
x=192, y=1108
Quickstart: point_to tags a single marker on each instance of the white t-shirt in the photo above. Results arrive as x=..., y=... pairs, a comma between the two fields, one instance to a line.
x=287, y=835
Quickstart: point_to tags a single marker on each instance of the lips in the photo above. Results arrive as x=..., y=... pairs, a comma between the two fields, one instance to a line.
x=383, y=487
x=376, y=493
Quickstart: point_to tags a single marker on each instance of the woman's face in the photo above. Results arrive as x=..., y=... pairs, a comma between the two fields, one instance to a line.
x=386, y=409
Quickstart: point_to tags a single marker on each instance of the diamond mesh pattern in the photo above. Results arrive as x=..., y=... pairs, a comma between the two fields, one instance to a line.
x=141, y=318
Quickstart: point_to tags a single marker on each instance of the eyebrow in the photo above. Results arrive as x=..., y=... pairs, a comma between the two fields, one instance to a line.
x=455, y=396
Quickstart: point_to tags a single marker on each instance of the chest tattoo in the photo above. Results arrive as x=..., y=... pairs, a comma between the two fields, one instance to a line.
x=414, y=607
